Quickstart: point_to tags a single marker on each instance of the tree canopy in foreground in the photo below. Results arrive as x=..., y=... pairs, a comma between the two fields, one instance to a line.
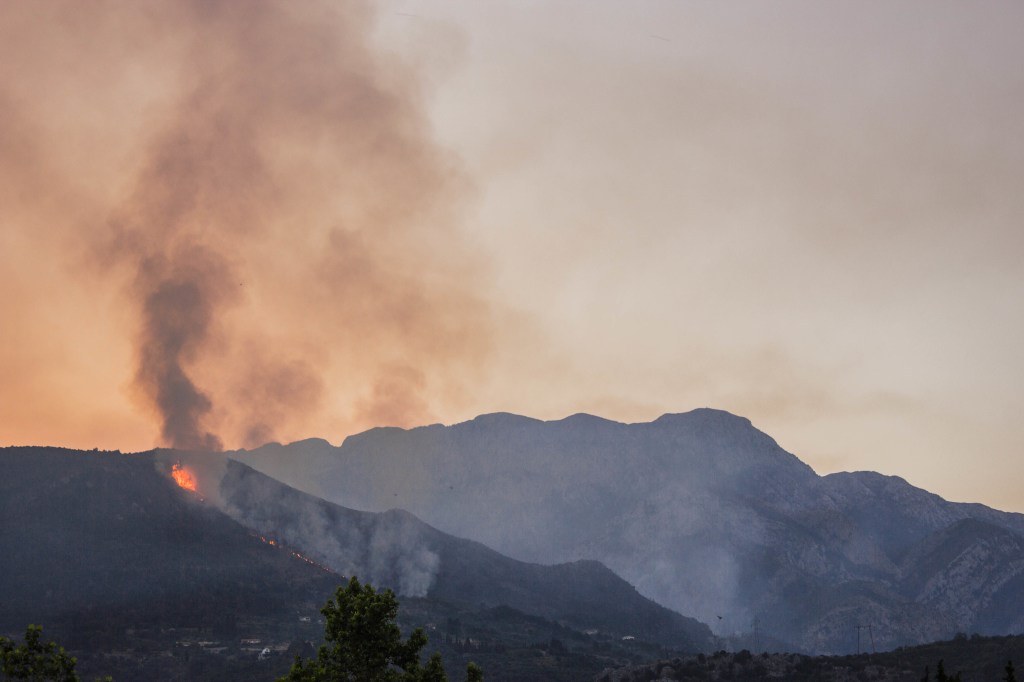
x=35, y=660
x=364, y=644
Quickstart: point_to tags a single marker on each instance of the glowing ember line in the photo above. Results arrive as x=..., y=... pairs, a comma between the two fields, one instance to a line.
x=274, y=543
x=183, y=477
x=311, y=562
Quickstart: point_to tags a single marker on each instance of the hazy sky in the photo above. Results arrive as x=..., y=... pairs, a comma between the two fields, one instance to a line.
x=252, y=221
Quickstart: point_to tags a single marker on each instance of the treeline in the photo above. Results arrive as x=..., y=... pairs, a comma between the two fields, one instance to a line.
x=962, y=659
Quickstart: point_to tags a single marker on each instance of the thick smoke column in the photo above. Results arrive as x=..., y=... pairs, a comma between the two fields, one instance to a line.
x=261, y=184
x=179, y=300
x=172, y=232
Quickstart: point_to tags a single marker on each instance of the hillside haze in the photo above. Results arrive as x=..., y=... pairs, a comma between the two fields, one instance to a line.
x=397, y=550
x=701, y=511
x=112, y=556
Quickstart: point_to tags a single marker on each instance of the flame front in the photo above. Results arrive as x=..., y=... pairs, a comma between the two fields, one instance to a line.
x=274, y=543
x=183, y=477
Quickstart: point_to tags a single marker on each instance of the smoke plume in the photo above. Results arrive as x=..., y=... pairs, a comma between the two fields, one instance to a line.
x=260, y=184
x=393, y=549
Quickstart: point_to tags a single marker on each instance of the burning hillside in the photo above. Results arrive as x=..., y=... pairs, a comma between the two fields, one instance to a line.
x=183, y=476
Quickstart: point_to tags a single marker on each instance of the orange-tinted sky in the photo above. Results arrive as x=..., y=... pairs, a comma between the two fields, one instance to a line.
x=248, y=221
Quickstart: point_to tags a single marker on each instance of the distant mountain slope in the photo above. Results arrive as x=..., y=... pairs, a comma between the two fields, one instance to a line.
x=973, y=558
x=86, y=534
x=396, y=549
x=142, y=580
x=899, y=514
x=701, y=511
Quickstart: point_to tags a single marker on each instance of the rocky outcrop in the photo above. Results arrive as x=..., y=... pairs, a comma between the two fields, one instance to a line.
x=970, y=571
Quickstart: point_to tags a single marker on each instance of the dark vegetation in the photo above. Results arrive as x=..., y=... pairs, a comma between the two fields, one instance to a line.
x=141, y=581
x=507, y=644
x=35, y=659
x=132, y=576
x=962, y=659
x=510, y=645
x=363, y=642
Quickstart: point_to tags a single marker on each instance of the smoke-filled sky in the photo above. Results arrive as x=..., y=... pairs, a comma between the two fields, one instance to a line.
x=223, y=223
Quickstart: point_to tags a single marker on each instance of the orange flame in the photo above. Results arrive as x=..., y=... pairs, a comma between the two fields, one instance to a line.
x=274, y=543
x=183, y=477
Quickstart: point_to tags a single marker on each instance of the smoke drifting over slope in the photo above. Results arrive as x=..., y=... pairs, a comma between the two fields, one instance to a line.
x=390, y=549
x=263, y=189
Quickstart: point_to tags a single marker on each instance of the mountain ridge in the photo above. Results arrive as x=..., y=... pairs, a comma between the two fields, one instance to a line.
x=87, y=530
x=700, y=510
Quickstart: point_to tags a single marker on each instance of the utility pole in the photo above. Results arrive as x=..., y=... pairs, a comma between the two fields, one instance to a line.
x=757, y=634
x=871, y=635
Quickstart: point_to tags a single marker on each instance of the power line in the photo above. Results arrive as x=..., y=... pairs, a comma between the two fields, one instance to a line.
x=871, y=635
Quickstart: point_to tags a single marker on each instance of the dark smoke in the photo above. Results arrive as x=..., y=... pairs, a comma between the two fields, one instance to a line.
x=188, y=196
x=197, y=174
x=179, y=300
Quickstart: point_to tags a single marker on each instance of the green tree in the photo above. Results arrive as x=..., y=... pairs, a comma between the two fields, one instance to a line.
x=1009, y=677
x=941, y=676
x=35, y=660
x=364, y=644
